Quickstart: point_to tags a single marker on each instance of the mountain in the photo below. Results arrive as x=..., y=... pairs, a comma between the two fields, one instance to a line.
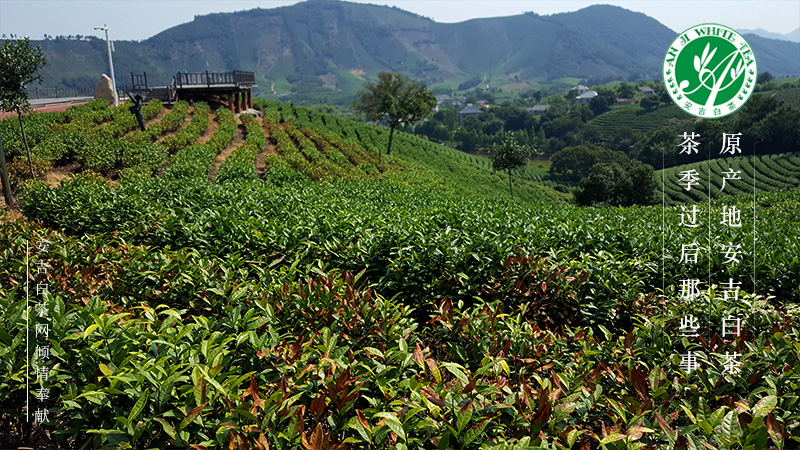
x=776, y=55
x=793, y=36
x=330, y=44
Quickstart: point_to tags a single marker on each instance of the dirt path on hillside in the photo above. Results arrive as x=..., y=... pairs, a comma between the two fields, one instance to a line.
x=269, y=148
x=147, y=123
x=213, y=124
x=261, y=164
x=10, y=215
x=53, y=177
x=237, y=142
x=186, y=121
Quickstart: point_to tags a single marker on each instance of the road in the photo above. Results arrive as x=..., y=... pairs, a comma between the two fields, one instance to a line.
x=52, y=104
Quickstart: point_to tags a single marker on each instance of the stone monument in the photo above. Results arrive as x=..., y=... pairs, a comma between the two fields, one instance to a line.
x=105, y=89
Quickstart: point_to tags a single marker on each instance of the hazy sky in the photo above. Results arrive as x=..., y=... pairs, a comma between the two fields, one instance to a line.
x=140, y=19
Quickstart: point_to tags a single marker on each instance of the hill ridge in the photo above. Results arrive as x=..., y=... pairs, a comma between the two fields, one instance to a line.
x=312, y=46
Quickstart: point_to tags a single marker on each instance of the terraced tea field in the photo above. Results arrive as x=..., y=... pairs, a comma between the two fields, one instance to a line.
x=278, y=283
x=634, y=116
x=763, y=173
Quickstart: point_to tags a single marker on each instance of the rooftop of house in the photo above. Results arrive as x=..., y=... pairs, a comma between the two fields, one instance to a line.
x=536, y=108
x=470, y=110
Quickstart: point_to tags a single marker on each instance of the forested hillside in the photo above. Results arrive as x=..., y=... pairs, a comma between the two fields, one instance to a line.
x=332, y=46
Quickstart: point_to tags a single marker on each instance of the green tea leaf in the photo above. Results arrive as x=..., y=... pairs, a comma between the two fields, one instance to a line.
x=6, y=338
x=456, y=370
x=463, y=417
x=395, y=426
x=138, y=407
x=473, y=433
x=89, y=330
x=573, y=436
x=765, y=406
x=168, y=428
x=106, y=371
x=729, y=429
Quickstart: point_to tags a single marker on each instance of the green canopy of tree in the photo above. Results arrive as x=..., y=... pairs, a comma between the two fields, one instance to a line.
x=630, y=183
x=510, y=155
x=395, y=100
x=764, y=77
x=602, y=103
x=19, y=66
x=626, y=90
x=574, y=163
x=650, y=103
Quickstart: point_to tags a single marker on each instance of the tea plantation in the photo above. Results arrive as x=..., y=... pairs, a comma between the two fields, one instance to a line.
x=278, y=283
x=746, y=174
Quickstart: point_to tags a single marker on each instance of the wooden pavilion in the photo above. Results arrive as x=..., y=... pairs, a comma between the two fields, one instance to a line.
x=205, y=86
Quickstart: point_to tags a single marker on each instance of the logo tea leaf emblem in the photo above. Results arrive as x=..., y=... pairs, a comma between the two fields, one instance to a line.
x=708, y=71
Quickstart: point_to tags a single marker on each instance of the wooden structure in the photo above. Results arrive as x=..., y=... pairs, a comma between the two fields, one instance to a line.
x=236, y=86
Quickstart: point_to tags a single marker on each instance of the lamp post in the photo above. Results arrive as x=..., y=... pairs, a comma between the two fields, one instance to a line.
x=110, y=64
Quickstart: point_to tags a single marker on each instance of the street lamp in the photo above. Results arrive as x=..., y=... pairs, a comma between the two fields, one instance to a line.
x=110, y=64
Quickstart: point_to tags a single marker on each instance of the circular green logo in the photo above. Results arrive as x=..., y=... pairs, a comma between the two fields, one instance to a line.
x=710, y=71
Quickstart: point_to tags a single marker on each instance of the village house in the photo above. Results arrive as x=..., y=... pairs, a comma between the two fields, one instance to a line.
x=537, y=109
x=468, y=111
x=586, y=97
x=647, y=91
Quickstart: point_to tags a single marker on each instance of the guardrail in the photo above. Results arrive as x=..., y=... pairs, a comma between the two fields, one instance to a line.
x=237, y=77
x=40, y=92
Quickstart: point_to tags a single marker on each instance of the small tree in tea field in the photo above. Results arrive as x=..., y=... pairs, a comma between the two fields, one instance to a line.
x=393, y=101
x=510, y=155
x=19, y=66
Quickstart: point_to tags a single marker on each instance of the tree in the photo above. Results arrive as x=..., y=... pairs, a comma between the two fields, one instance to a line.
x=626, y=90
x=650, y=103
x=779, y=131
x=664, y=97
x=618, y=184
x=515, y=118
x=660, y=146
x=764, y=77
x=467, y=139
x=19, y=66
x=623, y=139
x=602, y=102
x=395, y=100
x=472, y=123
x=448, y=118
x=574, y=163
x=600, y=185
x=492, y=126
x=510, y=155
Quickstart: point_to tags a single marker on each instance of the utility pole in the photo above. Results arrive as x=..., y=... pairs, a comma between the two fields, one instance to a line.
x=110, y=64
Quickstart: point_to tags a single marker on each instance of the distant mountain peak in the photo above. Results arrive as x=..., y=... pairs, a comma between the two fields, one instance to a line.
x=792, y=36
x=324, y=46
